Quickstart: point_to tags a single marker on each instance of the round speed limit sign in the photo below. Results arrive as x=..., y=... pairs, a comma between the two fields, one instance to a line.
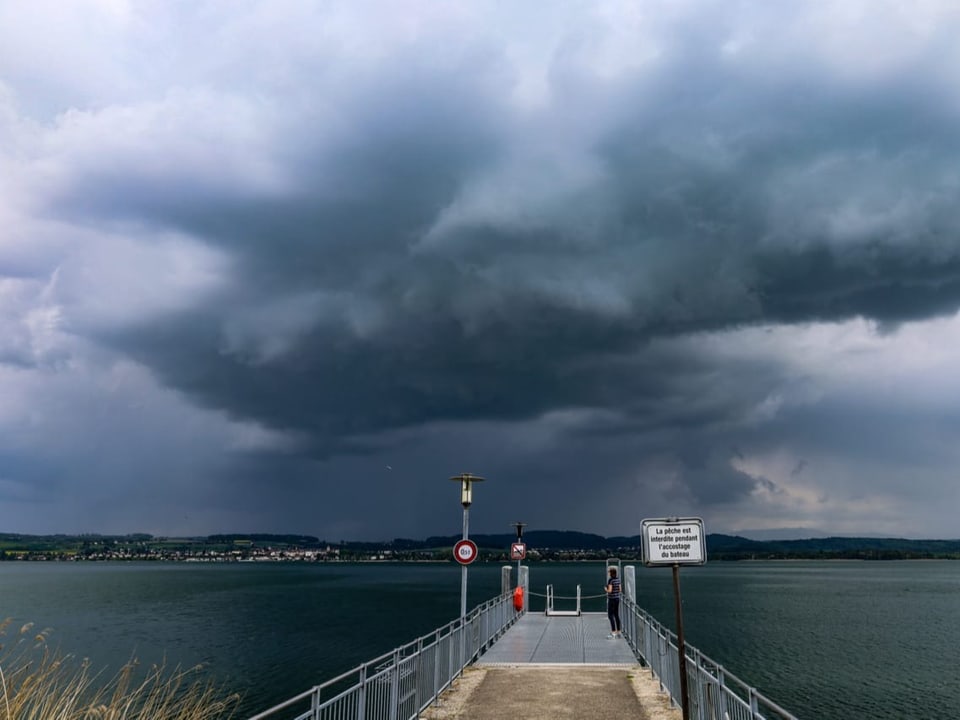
x=465, y=552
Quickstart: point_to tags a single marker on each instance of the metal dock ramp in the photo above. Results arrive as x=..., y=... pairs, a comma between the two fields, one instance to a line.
x=559, y=640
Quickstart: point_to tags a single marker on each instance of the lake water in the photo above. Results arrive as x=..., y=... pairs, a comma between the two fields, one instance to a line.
x=826, y=640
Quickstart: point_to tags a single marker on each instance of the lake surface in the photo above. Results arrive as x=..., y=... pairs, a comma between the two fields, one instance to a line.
x=826, y=640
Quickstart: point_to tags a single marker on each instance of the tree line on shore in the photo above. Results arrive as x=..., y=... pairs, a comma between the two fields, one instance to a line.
x=542, y=545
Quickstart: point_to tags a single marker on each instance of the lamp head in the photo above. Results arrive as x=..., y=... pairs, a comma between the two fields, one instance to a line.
x=466, y=481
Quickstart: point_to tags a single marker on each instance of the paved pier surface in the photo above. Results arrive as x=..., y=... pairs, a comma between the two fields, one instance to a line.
x=555, y=668
x=553, y=692
x=560, y=640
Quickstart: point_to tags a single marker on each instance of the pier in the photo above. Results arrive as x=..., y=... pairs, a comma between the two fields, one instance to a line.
x=555, y=668
x=543, y=640
x=499, y=661
x=559, y=692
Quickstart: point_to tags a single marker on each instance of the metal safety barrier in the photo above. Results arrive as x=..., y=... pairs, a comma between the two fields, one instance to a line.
x=714, y=693
x=400, y=684
x=550, y=610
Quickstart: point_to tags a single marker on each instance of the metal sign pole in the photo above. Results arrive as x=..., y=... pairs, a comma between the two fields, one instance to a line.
x=463, y=568
x=681, y=647
x=466, y=481
x=519, y=526
x=675, y=542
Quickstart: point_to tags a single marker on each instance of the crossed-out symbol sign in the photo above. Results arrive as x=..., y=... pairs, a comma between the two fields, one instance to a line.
x=518, y=551
x=465, y=552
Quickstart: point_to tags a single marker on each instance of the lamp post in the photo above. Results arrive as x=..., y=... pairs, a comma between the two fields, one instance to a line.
x=466, y=481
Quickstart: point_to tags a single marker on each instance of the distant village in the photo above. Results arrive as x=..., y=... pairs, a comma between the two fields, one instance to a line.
x=260, y=548
x=540, y=546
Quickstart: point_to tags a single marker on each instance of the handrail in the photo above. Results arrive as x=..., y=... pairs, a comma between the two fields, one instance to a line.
x=714, y=693
x=551, y=597
x=403, y=682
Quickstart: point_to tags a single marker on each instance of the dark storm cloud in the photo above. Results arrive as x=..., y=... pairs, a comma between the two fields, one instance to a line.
x=535, y=251
x=721, y=200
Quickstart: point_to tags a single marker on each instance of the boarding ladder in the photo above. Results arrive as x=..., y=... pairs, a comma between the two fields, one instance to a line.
x=552, y=612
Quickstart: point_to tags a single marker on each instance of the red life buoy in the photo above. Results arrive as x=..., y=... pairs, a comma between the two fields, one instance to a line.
x=518, y=599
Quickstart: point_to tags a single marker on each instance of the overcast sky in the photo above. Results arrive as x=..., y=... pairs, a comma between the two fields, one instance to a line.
x=287, y=266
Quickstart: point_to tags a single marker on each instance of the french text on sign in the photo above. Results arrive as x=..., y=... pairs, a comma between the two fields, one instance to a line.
x=673, y=541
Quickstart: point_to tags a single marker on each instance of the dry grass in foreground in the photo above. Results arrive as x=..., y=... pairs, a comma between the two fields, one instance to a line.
x=39, y=684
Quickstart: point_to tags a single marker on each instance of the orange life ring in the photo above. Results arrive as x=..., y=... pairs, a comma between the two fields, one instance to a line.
x=518, y=599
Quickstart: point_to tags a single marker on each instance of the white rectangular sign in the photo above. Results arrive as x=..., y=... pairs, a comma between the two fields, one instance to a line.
x=673, y=541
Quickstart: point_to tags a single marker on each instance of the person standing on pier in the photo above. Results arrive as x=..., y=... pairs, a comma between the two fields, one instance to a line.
x=613, y=603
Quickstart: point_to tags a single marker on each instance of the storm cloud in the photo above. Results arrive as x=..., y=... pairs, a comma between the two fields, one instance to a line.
x=288, y=267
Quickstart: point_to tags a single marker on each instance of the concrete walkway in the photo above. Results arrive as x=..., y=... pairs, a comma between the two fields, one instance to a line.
x=553, y=692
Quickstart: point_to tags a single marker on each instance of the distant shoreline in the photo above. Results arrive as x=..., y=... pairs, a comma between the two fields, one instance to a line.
x=541, y=546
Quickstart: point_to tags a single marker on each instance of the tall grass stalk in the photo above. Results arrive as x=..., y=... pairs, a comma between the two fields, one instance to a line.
x=37, y=683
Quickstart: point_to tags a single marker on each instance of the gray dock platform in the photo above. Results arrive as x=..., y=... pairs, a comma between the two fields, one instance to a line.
x=543, y=640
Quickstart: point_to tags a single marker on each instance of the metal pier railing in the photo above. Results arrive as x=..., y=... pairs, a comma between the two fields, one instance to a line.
x=714, y=693
x=553, y=611
x=400, y=684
